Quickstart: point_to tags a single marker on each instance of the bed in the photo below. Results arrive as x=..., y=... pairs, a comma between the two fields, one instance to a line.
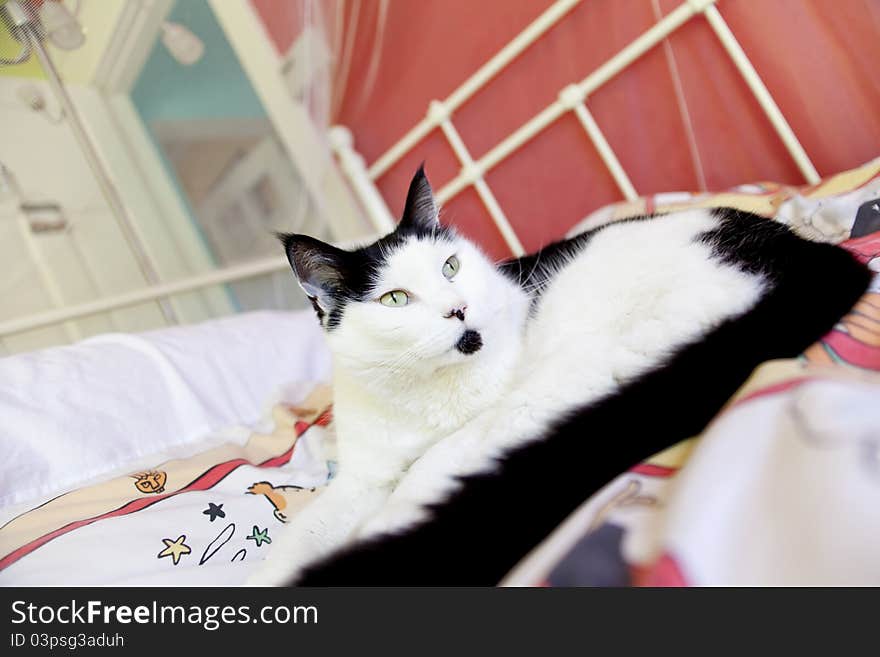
x=174, y=457
x=113, y=441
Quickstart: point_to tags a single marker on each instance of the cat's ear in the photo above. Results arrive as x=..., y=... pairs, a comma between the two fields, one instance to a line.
x=319, y=268
x=420, y=213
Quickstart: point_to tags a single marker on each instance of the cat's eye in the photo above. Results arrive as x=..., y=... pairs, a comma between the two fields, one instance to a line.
x=451, y=267
x=394, y=299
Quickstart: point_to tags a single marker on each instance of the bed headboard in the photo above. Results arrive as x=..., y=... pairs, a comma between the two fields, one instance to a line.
x=572, y=98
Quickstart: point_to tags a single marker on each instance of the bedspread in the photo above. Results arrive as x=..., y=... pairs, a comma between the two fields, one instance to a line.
x=783, y=487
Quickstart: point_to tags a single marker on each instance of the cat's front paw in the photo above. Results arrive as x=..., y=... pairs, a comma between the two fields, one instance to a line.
x=395, y=516
x=272, y=573
x=285, y=561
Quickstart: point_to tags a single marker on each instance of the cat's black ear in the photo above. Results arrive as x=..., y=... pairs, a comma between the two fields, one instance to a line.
x=319, y=268
x=420, y=214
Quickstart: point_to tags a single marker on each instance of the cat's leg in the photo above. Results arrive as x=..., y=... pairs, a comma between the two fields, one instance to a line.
x=429, y=479
x=321, y=527
x=523, y=415
x=434, y=476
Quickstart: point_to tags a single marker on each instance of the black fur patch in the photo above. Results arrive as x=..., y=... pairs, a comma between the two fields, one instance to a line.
x=317, y=308
x=470, y=342
x=533, y=271
x=477, y=535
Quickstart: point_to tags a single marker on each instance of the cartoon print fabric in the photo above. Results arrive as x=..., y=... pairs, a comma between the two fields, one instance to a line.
x=783, y=487
x=206, y=519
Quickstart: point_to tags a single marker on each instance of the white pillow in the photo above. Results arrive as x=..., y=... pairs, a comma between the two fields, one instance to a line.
x=115, y=398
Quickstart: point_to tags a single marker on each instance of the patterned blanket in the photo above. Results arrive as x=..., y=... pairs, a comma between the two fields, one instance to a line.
x=202, y=520
x=782, y=488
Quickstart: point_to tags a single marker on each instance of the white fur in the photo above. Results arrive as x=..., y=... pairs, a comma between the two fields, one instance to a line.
x=635, y=293
x=400, y=385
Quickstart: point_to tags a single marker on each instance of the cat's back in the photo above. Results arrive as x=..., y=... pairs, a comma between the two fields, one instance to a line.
x=626, y=292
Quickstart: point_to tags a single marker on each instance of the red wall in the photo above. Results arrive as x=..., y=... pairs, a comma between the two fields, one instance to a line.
x=818, y=58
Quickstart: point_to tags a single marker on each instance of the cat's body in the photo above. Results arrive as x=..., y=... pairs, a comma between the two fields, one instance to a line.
x=597, y=324
x=403, y=378
x=559, y=334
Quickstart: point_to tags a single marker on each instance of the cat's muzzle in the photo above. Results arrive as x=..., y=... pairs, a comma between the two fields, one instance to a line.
x=469, y=342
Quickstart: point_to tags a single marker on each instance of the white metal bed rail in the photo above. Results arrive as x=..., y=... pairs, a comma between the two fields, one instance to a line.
x=150, y=293
x=571, y=98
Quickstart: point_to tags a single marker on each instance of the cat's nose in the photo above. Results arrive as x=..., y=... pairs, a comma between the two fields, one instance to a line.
x=458, y=311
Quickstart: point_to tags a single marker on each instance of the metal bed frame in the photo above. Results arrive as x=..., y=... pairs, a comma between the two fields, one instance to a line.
x=440, y=114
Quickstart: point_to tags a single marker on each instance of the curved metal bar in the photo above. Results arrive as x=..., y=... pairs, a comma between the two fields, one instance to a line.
x=18, y=59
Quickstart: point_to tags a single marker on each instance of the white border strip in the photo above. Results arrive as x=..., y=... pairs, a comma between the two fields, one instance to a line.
x=605, y=152
x=353, y=166
x=436, y=111
x=762, y=95
x=135, y=297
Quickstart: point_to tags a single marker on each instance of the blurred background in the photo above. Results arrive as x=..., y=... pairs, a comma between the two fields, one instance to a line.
x=149, y=148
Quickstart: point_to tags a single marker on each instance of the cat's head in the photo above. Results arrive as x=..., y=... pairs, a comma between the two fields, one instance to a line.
x=416, y=300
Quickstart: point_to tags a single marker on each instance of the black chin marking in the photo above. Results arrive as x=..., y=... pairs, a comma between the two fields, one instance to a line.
x=469, y=342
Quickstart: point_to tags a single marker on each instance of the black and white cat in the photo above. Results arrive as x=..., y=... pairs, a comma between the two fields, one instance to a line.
x=472, y=399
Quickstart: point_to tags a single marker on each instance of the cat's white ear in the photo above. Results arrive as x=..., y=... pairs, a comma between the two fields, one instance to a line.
x=420, y=214
x=319, y=269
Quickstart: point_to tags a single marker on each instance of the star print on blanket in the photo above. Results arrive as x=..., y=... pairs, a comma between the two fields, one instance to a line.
x=259, y=536
x=214, y=511
x=175, y=549
x=163, y=525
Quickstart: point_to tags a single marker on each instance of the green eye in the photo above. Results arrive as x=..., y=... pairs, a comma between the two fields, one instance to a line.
x=394, y=299
x=451, y=267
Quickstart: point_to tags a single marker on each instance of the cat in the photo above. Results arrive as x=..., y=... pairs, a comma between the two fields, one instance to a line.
x=462, y=387
x=418, y=324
